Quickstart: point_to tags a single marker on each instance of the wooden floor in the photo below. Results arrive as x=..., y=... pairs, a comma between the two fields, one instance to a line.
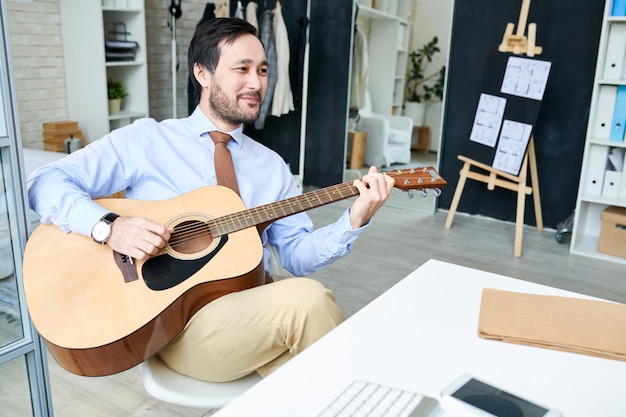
x=397, y=242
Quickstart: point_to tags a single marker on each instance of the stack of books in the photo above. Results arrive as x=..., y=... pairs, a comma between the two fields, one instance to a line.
x=55, y=134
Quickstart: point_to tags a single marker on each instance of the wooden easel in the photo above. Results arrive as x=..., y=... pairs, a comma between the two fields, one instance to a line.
x=517, y=44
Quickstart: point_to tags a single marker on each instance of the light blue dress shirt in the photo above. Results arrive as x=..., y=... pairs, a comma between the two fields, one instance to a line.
x=153, y=160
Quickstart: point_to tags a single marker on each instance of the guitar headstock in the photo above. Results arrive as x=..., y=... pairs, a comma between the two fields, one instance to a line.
x=420, y=178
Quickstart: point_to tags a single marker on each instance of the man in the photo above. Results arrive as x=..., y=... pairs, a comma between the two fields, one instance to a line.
x=253, y=330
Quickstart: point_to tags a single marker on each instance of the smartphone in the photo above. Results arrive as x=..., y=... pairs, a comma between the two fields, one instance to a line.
x=485, y=400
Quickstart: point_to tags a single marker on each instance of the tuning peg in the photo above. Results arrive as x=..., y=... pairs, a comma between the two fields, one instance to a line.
x=423, y=192
x=409, y=193
x=437, y=192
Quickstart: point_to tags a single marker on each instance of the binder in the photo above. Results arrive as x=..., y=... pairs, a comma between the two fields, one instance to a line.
x=611, y=187
x=615, y=52
x=619, y=8
x=618, y=126
x=622, y=185
x=611, y=184
x=596, y=168
x=604, y=111
x=617, y=162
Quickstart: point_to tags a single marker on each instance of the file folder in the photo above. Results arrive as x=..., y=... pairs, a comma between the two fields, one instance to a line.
x=618, y=126
x=611, y=184
x=596, y=168
x=622, y=186
x=604, y=111
x=615, y=52
x=619, y=8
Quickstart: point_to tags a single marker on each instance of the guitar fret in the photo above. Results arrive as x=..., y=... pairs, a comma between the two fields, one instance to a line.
x=269, y=214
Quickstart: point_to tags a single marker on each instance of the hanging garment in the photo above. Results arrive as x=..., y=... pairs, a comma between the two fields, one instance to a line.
x=267, y=37
x=239, y=11
x=251, y=11
x=359, y=77
x=282, y=102
x=222, y=10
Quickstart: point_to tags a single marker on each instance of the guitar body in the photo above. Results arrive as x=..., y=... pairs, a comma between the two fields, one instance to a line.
x=95, y=321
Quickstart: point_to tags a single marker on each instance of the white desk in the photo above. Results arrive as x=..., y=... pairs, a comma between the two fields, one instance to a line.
x=420, y=335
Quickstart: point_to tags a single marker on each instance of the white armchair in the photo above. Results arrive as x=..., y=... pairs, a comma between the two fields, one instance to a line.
x=388, y=136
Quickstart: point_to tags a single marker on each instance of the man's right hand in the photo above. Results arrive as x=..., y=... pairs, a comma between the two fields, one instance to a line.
x=138, y=237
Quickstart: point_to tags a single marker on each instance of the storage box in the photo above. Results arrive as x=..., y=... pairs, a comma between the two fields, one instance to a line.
x=62, y=126
x=55, y=133
x=613, y=232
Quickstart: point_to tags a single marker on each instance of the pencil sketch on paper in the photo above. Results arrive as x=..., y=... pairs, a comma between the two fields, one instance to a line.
x=512, y=146
x=525, y=77
x=488, y=119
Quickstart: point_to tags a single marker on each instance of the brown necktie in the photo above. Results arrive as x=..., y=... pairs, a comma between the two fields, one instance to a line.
x=224, y=170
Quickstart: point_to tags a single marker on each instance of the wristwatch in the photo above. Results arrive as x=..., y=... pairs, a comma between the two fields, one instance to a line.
x=101, y=231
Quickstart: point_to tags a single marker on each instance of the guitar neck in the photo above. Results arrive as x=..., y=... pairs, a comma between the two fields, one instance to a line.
x=404, y=179
x=271, y=212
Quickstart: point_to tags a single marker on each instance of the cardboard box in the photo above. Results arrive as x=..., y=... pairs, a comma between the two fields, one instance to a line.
x=57, y=143
x=55, y=133
x=613, y=232
x=59, y=127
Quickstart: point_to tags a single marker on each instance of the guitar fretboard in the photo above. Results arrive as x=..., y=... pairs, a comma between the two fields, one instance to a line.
x=274, y=211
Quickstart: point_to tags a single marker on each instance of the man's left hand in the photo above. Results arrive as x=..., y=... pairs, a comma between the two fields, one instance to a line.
x=374, y=189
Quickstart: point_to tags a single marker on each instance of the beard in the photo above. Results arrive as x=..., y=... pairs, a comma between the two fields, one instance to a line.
x=229, y=110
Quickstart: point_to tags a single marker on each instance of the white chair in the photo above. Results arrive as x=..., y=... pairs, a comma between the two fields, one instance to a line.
x=167, y=385
x=388, y=136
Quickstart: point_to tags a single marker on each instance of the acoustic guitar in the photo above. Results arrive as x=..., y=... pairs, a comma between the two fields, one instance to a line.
x=100, y=312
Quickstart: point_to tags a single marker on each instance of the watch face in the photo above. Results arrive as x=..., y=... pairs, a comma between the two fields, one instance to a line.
x=101, y=231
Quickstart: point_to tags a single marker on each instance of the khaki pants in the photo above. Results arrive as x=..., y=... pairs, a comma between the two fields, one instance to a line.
x=253, y=330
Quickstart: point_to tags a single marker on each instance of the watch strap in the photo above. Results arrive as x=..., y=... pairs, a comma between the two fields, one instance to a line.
x=110, y=217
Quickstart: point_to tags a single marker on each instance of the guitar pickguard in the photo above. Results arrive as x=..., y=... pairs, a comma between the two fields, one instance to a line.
x=164, y=271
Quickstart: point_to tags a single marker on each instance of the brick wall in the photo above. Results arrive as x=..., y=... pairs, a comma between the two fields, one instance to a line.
x=159, y=35
x=39, y=72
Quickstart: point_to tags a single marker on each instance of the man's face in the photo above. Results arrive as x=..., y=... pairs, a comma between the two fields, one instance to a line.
x=238, y=86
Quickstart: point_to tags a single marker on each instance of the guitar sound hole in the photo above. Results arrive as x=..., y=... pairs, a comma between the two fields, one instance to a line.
x=191, y=237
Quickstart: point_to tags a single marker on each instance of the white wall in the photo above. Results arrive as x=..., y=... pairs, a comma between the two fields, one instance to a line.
x=432, y=18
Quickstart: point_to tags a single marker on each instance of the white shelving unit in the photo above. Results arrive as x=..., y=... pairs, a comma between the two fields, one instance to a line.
x=388, y=51
x=593, y=191
x=86, y=24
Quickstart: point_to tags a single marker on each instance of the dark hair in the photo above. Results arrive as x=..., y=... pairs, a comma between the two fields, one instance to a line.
x=204, y=48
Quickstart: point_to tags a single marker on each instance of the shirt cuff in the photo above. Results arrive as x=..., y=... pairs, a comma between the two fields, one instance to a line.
x=347, y=233
x=86, y=214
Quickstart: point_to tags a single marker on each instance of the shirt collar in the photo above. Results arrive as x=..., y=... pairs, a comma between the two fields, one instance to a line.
x=201, y=125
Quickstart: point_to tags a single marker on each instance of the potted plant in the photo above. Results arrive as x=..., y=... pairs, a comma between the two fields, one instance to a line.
x=422, y=88
x=116, y=93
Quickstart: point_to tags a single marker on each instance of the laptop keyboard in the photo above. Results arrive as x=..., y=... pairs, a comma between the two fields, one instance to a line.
x=367, y=399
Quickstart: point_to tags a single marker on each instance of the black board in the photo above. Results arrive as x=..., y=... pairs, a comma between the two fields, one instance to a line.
x=569, y=34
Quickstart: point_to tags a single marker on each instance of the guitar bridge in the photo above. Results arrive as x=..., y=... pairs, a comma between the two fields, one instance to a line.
x=127, y=266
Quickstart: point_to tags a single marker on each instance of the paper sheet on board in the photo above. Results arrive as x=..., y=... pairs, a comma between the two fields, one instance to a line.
x=512, y=146
x=488, y=119
x=525, y=77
